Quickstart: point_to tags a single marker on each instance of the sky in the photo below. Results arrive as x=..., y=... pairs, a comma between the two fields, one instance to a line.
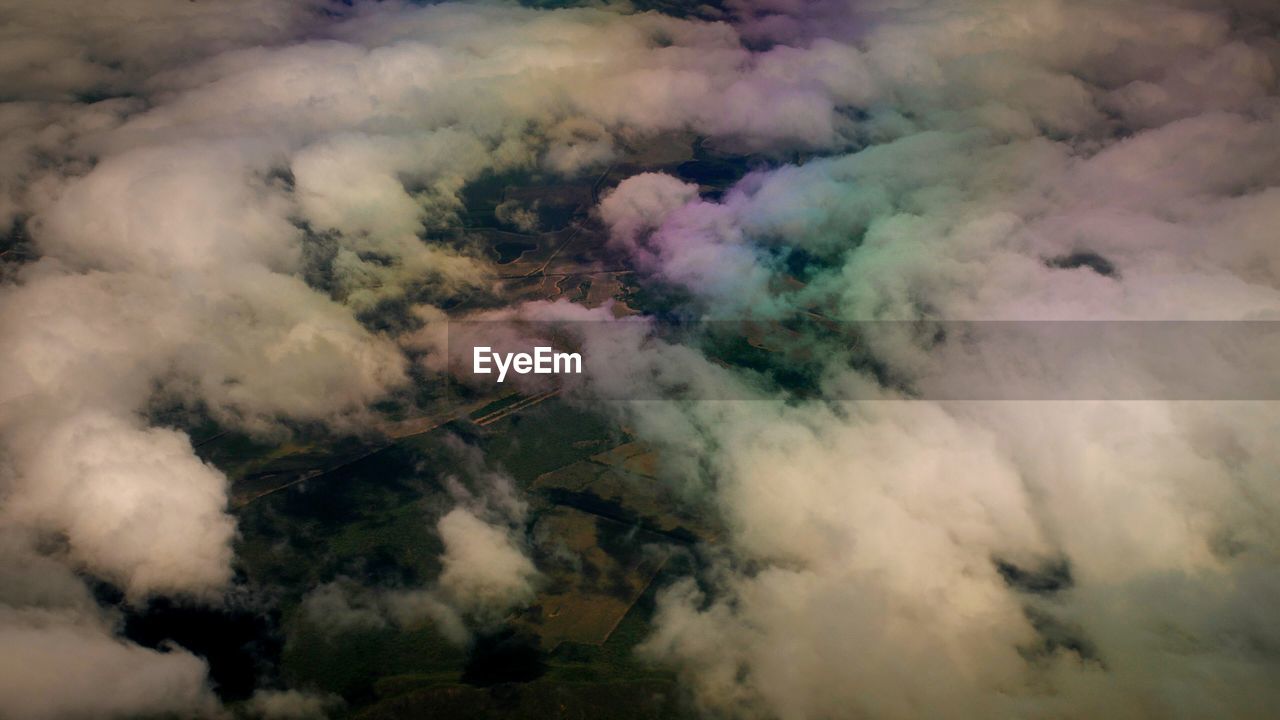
x=182, y=173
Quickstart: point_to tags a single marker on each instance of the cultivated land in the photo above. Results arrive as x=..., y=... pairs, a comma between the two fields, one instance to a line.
x=607, y=525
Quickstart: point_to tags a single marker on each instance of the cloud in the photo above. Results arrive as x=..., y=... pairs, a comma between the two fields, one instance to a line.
x=113, y=488
x=339, y=607
x=484, y=571
x=60, y=658
x=867, y=570
x=58, y=667
x=64, y=51
x=290, y=704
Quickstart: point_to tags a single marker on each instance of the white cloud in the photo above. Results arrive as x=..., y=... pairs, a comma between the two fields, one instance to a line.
x=291, y=705
x=484, y=570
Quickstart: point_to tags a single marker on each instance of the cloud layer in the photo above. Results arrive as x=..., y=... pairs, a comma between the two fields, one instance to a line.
x=967, y=559
x=207, y=198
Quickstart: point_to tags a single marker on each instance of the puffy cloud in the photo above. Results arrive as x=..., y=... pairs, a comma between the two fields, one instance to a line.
x=343, y=606
x=58, y=667
x=338, y=607
x=484, y=570
x=112, y=488
x=59, y=657
x=1031, y=559
x=290, y=705
x=410, y=607
x=485, y=567
x=871, y=547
